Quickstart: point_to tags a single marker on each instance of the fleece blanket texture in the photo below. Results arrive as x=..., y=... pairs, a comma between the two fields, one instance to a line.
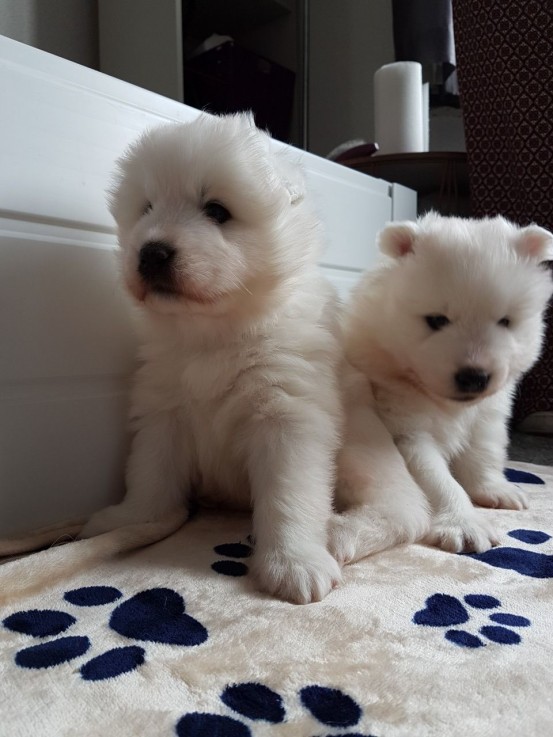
x=173, y=639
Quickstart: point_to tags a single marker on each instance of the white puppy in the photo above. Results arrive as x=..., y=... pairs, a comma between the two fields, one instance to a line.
x=237, y=398
x=444, y=329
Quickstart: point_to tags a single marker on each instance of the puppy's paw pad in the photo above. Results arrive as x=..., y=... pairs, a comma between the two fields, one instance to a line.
x=300, y=577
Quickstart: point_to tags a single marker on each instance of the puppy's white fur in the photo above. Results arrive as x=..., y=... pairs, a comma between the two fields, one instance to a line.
x=485, y=278
x=237, y=398
x=379, y=503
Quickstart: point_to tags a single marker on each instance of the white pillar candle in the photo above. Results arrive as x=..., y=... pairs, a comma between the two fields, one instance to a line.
x=398, y=107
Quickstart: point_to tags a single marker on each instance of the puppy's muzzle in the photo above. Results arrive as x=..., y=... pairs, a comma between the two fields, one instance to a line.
x=471, y=380
x=155, y=264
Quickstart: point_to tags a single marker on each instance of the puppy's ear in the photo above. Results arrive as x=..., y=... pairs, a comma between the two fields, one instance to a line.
x=535, y=243
x=246, y=119
x=289, y=173
x=291, y=176
x=296, y=191
x=397, y=239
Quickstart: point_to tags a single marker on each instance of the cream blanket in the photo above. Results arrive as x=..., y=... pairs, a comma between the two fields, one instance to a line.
x=173, y=639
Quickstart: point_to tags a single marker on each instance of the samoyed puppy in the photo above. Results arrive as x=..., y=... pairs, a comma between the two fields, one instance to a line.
x=237, y=400
x=443, y=330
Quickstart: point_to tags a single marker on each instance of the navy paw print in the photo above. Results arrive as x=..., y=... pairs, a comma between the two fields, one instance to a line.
x=233, y=550
x=154, y=615
x=256, y=702
x=523, y=561
x=522, y=477
x=442, y=610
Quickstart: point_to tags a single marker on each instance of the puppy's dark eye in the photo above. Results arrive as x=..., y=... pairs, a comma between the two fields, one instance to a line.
x=217, y=212
x=436, y=322
x=147, y=207
x=504, y=322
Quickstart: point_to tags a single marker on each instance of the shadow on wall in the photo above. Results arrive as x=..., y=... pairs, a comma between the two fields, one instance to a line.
x=66, y=28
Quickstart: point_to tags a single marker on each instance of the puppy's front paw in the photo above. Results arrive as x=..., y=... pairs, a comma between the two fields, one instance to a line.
x=502, y=495
x=346, y=538
x=364, y=530
x=301, y=576
x=471, y=534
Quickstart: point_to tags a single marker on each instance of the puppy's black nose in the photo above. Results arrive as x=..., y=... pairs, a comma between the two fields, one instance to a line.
x=471, y=380
x=155, y=259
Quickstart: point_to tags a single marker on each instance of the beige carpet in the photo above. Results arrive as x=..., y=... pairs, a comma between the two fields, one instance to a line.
x=173, y=639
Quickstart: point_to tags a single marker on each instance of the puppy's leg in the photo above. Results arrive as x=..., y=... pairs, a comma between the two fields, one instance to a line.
x=479, y=469
x=291, y=452
x=382, y=504
x=154, y=479
x=456, y=526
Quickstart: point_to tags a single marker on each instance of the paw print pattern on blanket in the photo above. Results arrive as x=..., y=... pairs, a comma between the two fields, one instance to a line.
x=153, y=615
x=523, y=561
x=522, y=477
x=442, y=610
x=233, y=550
x=256, y=702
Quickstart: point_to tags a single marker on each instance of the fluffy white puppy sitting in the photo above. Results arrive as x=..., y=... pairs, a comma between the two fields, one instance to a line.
x=444, y=329
x=237, y=398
